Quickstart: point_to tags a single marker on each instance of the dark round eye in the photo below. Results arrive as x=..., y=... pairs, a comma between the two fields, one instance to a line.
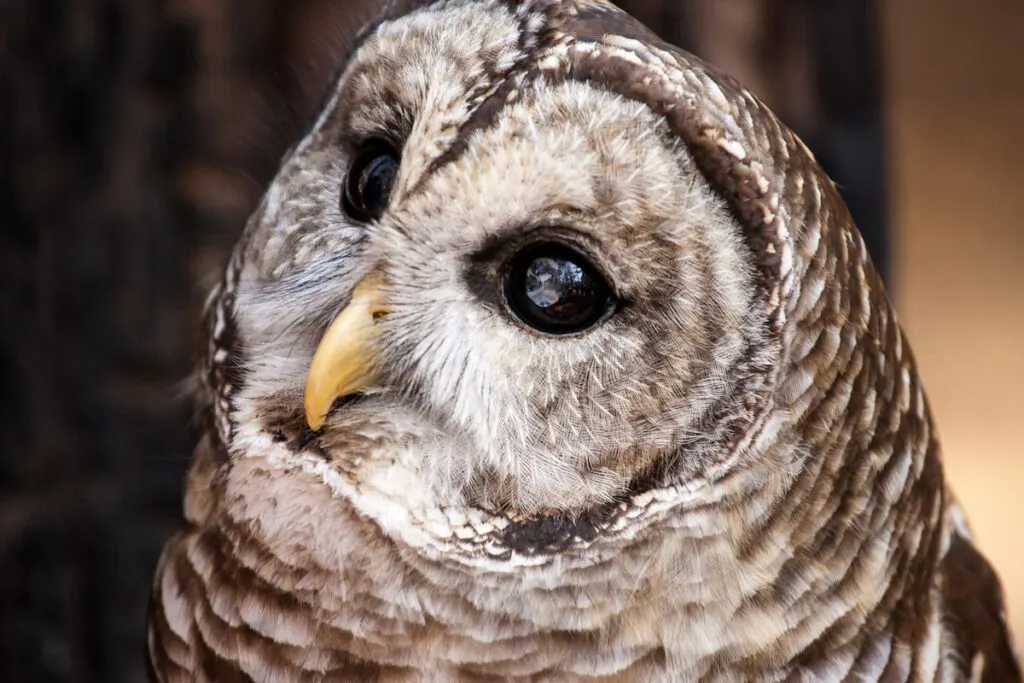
x=369, y=181
x=555, y=290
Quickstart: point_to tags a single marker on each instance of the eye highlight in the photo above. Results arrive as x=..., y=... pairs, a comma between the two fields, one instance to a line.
x=370, y=180
x=555, y=290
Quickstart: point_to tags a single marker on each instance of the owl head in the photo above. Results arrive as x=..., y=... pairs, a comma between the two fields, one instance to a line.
x=535, y=268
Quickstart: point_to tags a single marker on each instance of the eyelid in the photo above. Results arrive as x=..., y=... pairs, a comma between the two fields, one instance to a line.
x=356, y=142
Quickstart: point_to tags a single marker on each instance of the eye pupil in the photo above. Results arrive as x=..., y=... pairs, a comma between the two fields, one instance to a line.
x=370, y=180
x=555, y=290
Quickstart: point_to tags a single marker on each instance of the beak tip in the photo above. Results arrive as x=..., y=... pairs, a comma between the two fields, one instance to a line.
x=314, y=418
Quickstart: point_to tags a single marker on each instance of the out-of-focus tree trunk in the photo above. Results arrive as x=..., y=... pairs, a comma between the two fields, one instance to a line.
x=137, y=136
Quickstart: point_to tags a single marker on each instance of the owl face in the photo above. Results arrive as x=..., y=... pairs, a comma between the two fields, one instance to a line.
x=481, y=282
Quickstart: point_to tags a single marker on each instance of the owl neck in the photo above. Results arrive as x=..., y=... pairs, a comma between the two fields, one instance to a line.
x=864, y=514
x=831, y=576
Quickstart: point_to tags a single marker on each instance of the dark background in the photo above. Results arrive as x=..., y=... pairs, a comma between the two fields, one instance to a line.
x=136, y=135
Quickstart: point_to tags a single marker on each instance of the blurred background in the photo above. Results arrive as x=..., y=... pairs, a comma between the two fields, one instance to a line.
x=136, y=136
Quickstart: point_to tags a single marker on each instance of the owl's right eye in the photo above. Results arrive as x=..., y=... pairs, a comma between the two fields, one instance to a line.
x=369, y=182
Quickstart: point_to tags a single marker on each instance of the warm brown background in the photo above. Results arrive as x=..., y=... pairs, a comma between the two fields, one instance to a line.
x=956, y=116
x=135, y=135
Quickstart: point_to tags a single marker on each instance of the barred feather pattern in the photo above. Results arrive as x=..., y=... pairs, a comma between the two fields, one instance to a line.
x=817, y=540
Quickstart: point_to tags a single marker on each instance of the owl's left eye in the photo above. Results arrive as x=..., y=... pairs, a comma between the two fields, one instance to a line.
x=369, y=182
x=555, y=290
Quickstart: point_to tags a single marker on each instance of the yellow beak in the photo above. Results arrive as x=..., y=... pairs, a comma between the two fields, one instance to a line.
x=345, y=363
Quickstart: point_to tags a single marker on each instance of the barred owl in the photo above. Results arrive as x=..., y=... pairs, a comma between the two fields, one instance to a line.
x=551, y=354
